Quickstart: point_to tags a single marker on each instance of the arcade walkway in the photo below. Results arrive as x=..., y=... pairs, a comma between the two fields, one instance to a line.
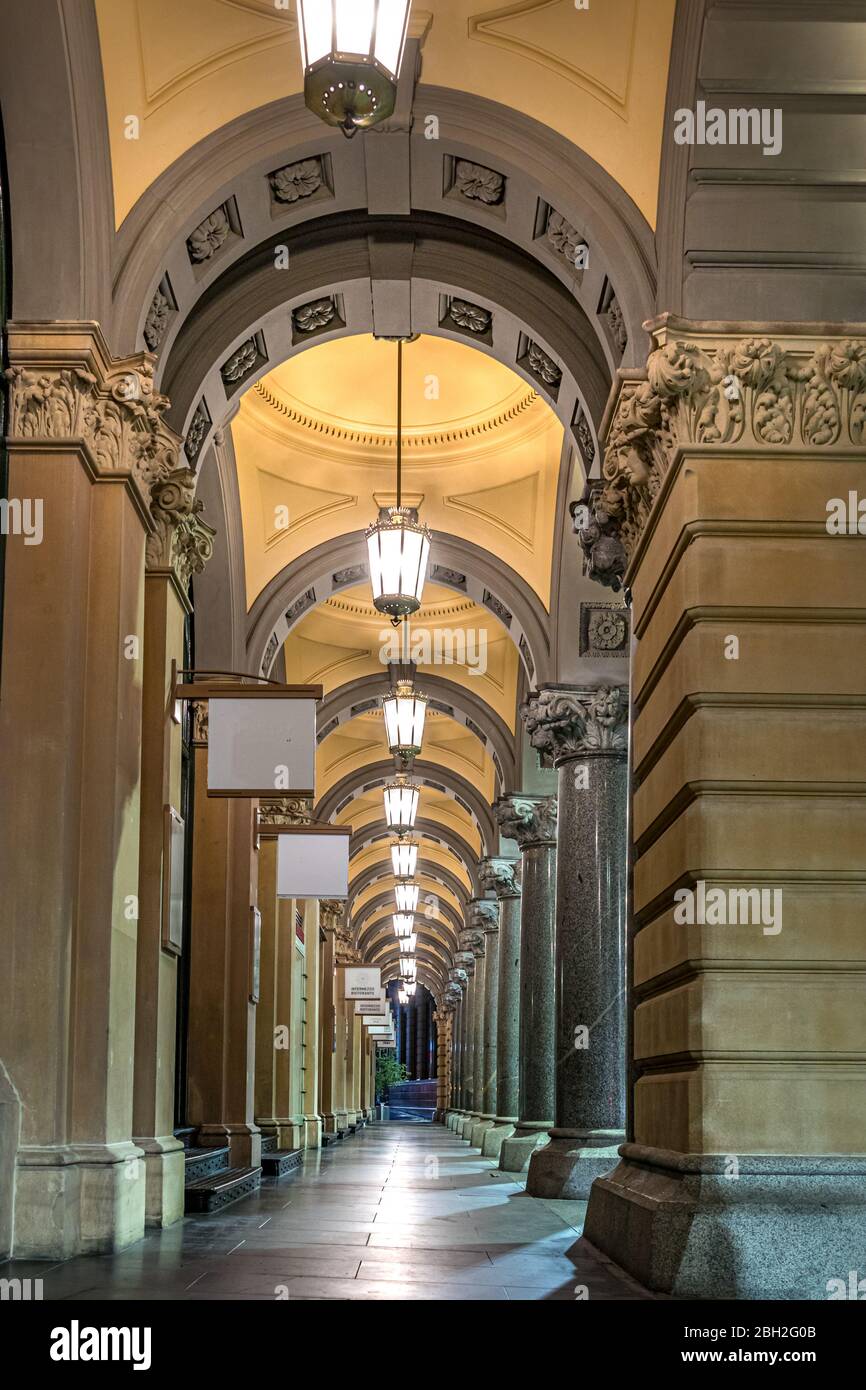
x=397, y=1212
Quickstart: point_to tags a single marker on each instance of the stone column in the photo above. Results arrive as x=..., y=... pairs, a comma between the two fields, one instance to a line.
x=485, y=917
x=329, y=1032
x=473, y=942
x=502, y=877
x=312, y=1054
x=422, y=1009
x=179, y=547
x=531, y=821
x=465, y=960
x=584, y=733
x=732, y=476
x=350, y=1023
x=222, y=1016
x=86, y=444
x=458, y=980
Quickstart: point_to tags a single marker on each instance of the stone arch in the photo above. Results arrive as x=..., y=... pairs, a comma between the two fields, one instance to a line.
x=426, y=868
x=426, y=774
x=431, y=830
x=362, y=922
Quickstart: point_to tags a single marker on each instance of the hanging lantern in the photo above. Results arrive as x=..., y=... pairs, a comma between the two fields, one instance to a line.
x=401, y=805
x=405, y=710
x=352, y=51
x=398, y=548
x=410, y=988
x=407, y=896
x=410, y=943
x=407, y=967
x=404, y=856
x=402, y=997
x=403, y=924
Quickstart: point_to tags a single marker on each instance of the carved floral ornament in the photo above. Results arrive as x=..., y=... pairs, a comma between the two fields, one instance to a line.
x=286, y=810
x=118, y=416
x=568, y=723
x=530, y=820
x=752, y=393
x=500, y=876
x=484, y=914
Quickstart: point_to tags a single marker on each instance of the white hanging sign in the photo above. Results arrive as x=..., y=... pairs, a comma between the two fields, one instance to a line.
x=312, y=861
x=363, y=982
x=261, y=744
x=371, y=1006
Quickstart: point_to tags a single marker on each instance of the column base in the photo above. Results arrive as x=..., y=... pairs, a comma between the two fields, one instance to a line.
x=725, y=1226
x=341, y=1118
x=496, y=1136
x=479, y=1129
x=244, y=1141
x=452, y=1117
x=312, y=1131
x=516, y=1152
x=465, y=1123
x=165, y=1175
x=567, y=1167
x=84, y=1199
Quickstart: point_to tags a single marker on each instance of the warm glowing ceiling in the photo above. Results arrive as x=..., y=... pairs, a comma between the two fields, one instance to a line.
x=360, y=742
x=597, y=75
x=315, y=441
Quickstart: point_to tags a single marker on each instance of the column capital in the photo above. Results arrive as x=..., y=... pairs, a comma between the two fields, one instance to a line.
x=457, y=981
x=753, y=389
x=501, y=876
x=465, y=961
x=199, y=709
x=530, y=820
x=484, y=915
x=181, y=543
x=565, y=723
x=472, y=940
x=286, y=810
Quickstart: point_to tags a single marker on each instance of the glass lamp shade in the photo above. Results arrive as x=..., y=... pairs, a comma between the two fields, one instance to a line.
x=407, y=967
x=410, y=988
x=410, y=943
x=398, y=549
x=404, y=856
x=405, y=711
x=352, y=51
x=402, y=997
x=407, y=896
x=401, y=806
x=403, y=924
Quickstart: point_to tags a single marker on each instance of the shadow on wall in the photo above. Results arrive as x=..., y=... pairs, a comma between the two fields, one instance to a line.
x=10, y=1126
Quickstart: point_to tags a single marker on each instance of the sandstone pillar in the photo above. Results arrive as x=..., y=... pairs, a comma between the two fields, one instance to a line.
x=329, y=1025
x=312, y=1040
x=485, y=917
x=179, y=547
x=473, y=942
x=732, y=474
x=531, y=821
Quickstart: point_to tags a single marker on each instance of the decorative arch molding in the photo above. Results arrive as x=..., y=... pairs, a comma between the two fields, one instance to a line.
x=431, y=775
x=427, y=868
x=434, y=832
x=542, y=169
x=380, y=936
x=363, y=924
x=438, y=962
x=434, y=984
x=455, y=563
x=460, y=703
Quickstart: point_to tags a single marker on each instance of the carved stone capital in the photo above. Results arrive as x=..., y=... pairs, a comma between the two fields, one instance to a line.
x=472, y=940
x=500, y=876
x=484, y=915
x=331, y=914
x=704, y=389
x=458, y=979
x=199, y=709
x=530, y=820
x=465, y=961
x=604, y=556
x=286, y=810
x=564, y=723
x=181, y=542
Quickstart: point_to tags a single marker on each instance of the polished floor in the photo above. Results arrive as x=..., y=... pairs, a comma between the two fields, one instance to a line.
x=399, y=1211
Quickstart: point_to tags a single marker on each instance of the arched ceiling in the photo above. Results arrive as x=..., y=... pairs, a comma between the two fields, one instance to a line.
x=481, y=453
x=597, y=76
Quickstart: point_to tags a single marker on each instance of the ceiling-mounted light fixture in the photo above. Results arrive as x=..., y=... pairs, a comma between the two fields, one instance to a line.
x=404, y=856
x=403, y=924
x=405, y=711
x=410, y=988
x=409, y=943
x=402, y=996
x=398, y=545
x=352, y=51
x=407, y=896
x=408, y=967
x=401, y=805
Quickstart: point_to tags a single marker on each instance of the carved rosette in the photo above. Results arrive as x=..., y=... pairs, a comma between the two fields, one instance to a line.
x=703, y=390
x=565, y=724
x=500, y=876
x=484, y=915
x=286, y=810
x=530, y=820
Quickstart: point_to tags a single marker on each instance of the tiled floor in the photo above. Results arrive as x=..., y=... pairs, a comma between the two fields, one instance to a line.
x=400, y=1211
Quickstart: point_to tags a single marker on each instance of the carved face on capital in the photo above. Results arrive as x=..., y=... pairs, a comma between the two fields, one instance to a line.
x=609, y=706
